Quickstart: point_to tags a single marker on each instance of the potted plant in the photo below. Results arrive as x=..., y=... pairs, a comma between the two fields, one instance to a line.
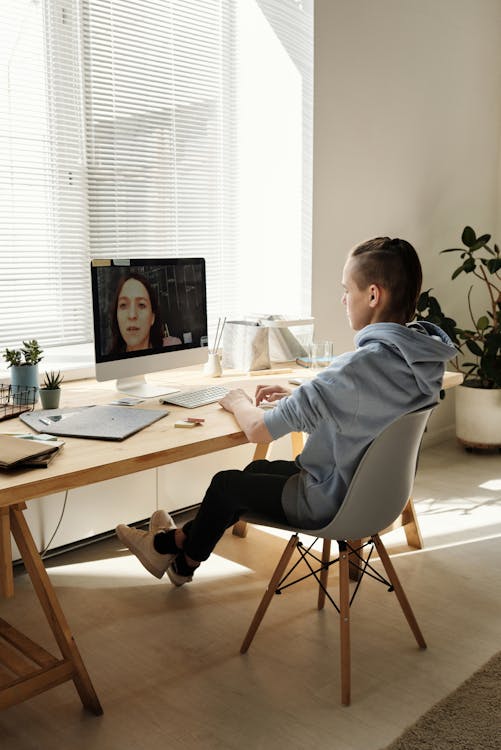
x=23, y=363
x=50, y=390
x=478, y=399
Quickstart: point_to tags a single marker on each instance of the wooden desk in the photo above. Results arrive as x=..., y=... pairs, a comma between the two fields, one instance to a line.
x=25, y=668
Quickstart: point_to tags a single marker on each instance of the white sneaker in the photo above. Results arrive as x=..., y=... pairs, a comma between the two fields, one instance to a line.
x=140, y=544
x=175, y=577
x=161, y=521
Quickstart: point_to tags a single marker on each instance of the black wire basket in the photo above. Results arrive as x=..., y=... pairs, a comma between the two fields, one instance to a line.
x=16, y=399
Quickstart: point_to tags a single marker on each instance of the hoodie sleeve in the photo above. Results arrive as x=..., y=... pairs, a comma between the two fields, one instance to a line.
x=332, y=395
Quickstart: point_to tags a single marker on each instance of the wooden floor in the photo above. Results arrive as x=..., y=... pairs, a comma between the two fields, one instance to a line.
x=165, y=662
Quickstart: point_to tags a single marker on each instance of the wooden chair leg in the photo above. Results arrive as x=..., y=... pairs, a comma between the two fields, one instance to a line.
x=344, y=624
x=268, y=594
x=324, y=573
x=397, y=586
x=52, y=608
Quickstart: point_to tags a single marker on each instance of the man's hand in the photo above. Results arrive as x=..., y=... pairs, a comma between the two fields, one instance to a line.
x=270, y=393
x=233, y=399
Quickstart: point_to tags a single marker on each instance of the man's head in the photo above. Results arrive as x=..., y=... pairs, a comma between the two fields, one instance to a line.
x=382, y=280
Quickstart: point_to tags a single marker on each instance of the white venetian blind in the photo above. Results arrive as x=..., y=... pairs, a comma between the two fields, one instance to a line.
x=43, y=249
x=158, y=123
x=134, y=128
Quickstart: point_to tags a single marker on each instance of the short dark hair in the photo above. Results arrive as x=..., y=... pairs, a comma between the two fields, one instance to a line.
x=393, y=264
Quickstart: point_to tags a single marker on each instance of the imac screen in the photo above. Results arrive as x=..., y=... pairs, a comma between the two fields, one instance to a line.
x=149, y=315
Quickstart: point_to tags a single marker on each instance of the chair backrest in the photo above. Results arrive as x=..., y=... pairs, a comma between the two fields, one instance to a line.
x=382, y=483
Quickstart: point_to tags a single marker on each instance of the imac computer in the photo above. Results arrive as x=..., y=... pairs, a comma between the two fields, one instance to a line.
x=149, y=315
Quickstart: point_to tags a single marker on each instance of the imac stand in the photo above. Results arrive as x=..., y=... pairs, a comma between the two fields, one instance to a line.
x=137, y=386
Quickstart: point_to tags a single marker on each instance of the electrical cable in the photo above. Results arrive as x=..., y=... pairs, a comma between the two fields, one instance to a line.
x=46, y=548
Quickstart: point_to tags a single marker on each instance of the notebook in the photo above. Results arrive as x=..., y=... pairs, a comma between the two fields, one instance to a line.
x=15, y=452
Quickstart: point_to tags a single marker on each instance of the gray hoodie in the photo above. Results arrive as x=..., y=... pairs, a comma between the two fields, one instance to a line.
x=394, y=370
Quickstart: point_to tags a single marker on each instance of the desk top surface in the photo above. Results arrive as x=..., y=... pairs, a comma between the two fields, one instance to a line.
x=84, y=461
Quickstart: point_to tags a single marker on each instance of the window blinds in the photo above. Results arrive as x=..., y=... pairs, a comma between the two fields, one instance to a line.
x=44, y=291
x=158, y=122
x=152, y=128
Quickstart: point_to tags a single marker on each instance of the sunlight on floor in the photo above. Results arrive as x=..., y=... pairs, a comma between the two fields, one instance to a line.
x=492, y=484
x=115, y=572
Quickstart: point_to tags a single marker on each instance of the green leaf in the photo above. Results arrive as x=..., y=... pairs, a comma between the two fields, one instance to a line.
x=474, y=347
x=457, y=272
x=422, y=302
x=494, y=264
x=454, y=250
x=468, y=237
x=434, y=306
x=469, y=265
x=483, y=323
x=481, y=241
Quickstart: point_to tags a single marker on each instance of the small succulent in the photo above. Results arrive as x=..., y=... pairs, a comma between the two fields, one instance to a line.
x=29, y=354
x=52, y=380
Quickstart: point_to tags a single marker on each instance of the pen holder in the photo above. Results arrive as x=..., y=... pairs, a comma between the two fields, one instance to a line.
x=213, y=368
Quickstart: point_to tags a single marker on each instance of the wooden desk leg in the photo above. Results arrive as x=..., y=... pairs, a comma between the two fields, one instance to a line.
x=411, y=526
x=52, y=608
x=297, y=443
x=260, y=452
x=6, y=575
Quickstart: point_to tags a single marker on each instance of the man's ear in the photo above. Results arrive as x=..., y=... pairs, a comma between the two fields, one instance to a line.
x=374, y=295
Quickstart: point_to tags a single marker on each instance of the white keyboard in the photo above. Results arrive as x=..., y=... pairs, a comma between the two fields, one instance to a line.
x=200, y=397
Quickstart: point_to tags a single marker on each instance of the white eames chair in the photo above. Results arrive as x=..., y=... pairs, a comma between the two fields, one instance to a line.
x=376, y=496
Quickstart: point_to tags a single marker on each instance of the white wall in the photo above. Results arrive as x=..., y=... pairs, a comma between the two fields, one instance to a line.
x=407, y=126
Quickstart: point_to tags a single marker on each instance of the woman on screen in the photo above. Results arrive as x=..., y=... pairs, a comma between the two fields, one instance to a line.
x=135, y=320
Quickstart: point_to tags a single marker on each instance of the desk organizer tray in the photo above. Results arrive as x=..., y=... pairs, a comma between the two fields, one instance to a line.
x=15, y=399
x=96, y=422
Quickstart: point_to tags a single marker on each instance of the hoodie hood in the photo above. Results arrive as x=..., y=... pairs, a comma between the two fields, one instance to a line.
x=417, y=343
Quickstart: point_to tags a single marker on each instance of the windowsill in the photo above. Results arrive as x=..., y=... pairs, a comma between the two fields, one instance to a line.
x=75, y=362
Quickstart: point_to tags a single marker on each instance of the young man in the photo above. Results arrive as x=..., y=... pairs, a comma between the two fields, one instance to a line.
x=397, y=367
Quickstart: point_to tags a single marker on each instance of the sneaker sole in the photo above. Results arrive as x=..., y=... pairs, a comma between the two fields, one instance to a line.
x=143, y=560
x=176, y=579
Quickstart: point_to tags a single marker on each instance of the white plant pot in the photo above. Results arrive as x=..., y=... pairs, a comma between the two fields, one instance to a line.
x=478, y=417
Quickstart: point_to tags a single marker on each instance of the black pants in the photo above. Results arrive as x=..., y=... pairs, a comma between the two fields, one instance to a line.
x=258, y=488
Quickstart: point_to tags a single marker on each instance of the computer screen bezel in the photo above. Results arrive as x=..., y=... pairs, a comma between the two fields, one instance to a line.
x=130, y=368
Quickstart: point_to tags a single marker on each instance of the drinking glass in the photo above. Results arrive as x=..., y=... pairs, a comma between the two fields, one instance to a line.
x=321, y=354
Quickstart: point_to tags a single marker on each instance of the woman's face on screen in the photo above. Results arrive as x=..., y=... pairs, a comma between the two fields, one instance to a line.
x=135, y=315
